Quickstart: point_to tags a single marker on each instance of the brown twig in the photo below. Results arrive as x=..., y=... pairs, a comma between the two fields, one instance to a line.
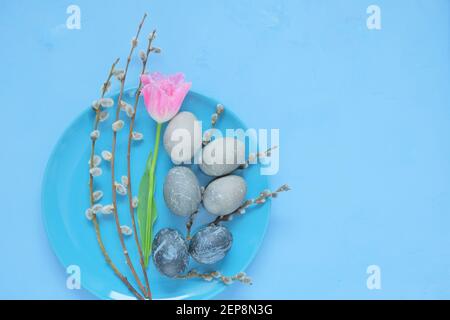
x=113, y=157
x=241, y=277
x=214, y=118
x=191, y=219
x=263, y=196
x=253, y=158
x=189, y=224
x=130, y=138
x=105, y=87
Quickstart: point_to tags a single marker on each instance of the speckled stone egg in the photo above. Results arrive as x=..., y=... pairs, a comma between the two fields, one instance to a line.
x=222, y=156
x=183, y=137
x=182, y=191
x=210, y=244
x=224, y=195
x=170, y=252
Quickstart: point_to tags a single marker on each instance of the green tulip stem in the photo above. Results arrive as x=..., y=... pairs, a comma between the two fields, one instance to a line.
x=151, y=190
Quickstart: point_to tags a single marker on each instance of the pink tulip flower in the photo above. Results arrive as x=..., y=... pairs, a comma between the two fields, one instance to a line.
x=163, y=95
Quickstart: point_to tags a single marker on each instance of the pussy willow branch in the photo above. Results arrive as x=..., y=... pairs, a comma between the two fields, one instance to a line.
x=91, y=190
x=113, y=158
x=241, y=277
x=214, y=118
x=255, y=157
x=263, y=196
x=130, y=140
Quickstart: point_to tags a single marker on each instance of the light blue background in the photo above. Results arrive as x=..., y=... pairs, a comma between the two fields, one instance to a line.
x=364, y=119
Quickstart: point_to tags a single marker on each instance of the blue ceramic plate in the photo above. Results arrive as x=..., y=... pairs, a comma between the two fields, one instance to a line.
x=65, y=197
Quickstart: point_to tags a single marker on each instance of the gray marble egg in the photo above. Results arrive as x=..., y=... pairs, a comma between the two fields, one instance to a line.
x=170, y=252
x=183, y=137
x=182, y=191
x=210, y=244
x=224, y=195
x=222, y=156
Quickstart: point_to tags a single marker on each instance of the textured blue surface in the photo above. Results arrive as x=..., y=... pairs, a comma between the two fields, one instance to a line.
x=364, y=118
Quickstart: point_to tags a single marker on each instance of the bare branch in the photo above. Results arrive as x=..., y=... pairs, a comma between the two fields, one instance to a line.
x=144, y=58
x=263, y=196
x=108, y=260
x=123, y=77
x=214, y=118
x=215, y=275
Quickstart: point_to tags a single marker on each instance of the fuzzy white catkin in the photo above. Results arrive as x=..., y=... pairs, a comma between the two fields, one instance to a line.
x=106, y=155
x=135, y=202
x=220, y=108
x=89, y=214
x=130, y=111
x=95, y=104
x=106, y=102
x=95, y=135
x=96, y=172
x=240, y=275
x=98, y=195
x=120, y=189
x=123, y=105
x=108, y=209
x=124, y=180
x=142, y=55
x=97, y=161
x=96, y=208
x=207, y=278
x=126, y=230
x=120, y=74
x=207, y=136
x=118, y=71
x=118, y=125
x=137, y=136
x=105, y=87
x=103, y=116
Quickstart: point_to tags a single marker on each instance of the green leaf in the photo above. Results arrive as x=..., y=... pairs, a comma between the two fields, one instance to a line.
x=143, y=215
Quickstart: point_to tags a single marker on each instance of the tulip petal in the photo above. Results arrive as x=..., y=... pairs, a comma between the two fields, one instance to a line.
x=145, y=79
x=156, y=76
x=176, y=78
x=163, y=95
x=179, y=95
